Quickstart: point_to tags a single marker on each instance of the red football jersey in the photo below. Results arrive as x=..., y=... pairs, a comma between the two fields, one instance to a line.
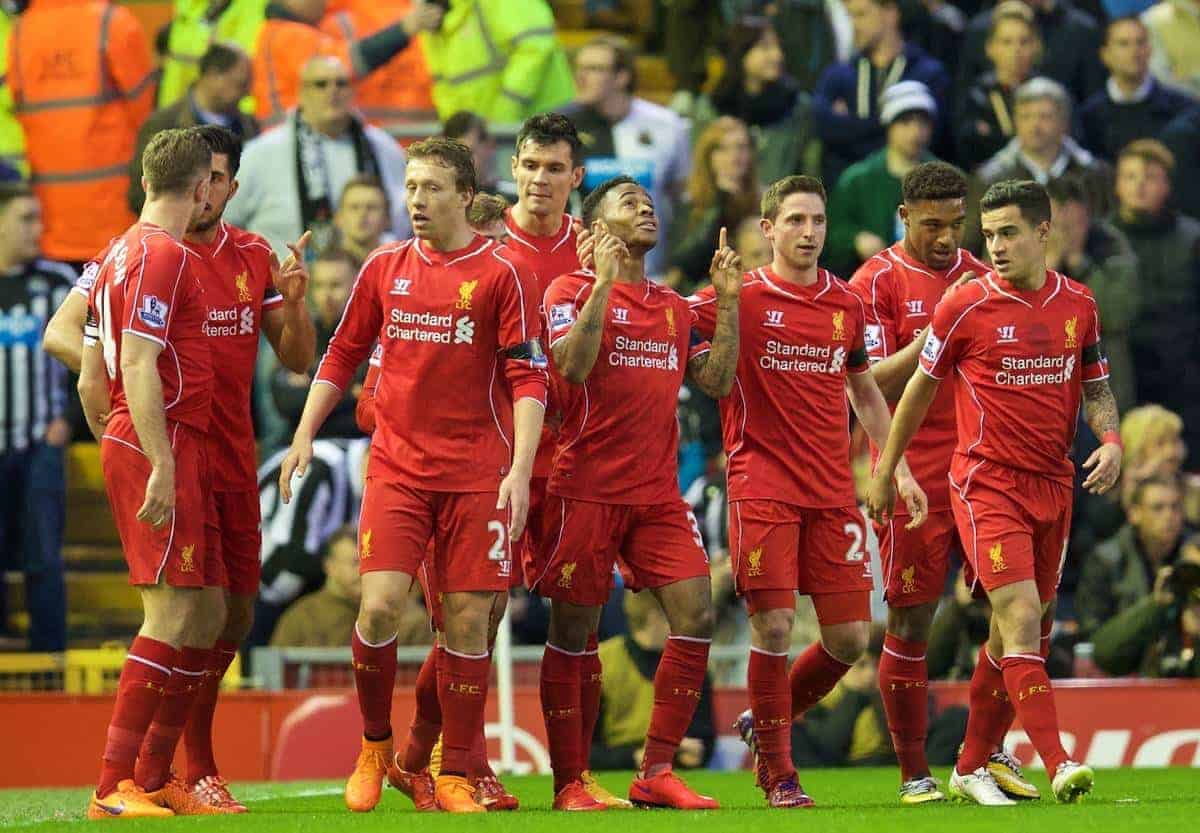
x=619, y=439
x=1019, y=359
x=899, y=295
x=235, y=272
x=450, y=325
x=147, y=286
x=786, y=423
x=544, y=259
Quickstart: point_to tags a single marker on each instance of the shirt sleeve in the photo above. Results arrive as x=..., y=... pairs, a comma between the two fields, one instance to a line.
x=704, y=309
x=83, y=284
x=947, y=336
x=364, y=412
x=697, y=344
x=154, y=292
x=872, y=284
x=357, y=333
x=518, y=331
x=1092, y=356
x=857, y=361
x=562, y=304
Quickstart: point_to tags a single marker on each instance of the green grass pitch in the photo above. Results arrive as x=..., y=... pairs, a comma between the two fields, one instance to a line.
x=1125, y=801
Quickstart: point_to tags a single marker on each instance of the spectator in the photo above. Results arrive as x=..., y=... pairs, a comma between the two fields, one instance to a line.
x=1133, y=104
x=33, y=426
x=324, y=499
x=1093, y=252
x=1182, y=137
x=722, y=191
x=486, y=216
x=1157, y=636
x=223, y=81
x=362, y=217
x=325, y=618
x=499, y=58
x=331, y=279
x=80, y=76
x=848, y=96
x=194, y=26
x=1166, y=334
x=1122, y=570
x=288, y=40
x=1071, y=38
x=751, y=244
x=960, y=626
x=623, y=134
x=755, y=89
x=863, y=219
x=1041, y=150
x=847, y=727
x=627, y=694
x=1154, y=446
x=472, y=131
x=1175, y=43
x=401, y=90
x=1013, y=47
x=292, y=174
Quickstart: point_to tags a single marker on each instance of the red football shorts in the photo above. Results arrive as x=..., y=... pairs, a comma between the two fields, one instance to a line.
x=471, y=549
x=431, y=594
x=916, y=561
x=776, y=546
x=236, y=538
x=657, y=544
x=1013, y=524
x=175, y=554
x=530, y=545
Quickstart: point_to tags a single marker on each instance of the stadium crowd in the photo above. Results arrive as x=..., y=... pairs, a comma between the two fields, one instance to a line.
x=1098, y=101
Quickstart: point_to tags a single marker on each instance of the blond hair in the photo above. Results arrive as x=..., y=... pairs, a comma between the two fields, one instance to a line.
x=1147, y=426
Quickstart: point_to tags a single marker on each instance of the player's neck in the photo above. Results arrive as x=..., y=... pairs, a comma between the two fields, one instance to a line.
x=1031, y=281
x=206, y=236
x=454, y=239
x=633, y=271
x=536, y=225
x=172, y=215
x=792, y=274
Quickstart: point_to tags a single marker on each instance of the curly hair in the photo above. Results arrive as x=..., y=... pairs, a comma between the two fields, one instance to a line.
x=547, y=129
x=934, y=181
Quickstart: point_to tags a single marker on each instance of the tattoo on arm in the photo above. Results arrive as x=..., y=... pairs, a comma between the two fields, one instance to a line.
x=713, y=372
x=575, y=354
x=1100, y=408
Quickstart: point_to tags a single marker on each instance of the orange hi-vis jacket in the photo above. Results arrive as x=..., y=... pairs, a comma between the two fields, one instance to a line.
x=280, y=53
x=82, y=84
x=400, y=90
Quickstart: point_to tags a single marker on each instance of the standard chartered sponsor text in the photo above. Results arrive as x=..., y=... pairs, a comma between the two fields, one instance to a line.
x=802, y=358
x=1021, y=371
x=631, y=352
x=420, y=326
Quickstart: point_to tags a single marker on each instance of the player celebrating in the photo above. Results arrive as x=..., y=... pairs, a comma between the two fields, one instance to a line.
x=1024, y=344
x=451, y=316
x=900, y=287
x=618, y=339
x=146, y=365
x=794, y=523
x=247, y=291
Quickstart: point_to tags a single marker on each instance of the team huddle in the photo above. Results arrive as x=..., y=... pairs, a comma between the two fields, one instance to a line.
x=522, y=405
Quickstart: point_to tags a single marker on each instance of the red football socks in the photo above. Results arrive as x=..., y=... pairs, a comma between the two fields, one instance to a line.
x=562, y=713
x=771, y=704
x=590, y=685
x=1029, y=690
x=813, y=675
x=677, y=686
x=989, y=716
x=427, y=721
x=904, y=687
x=158, y=748
x=374, y=678
x=144, y=678
x=198, y=734
x=462, y=687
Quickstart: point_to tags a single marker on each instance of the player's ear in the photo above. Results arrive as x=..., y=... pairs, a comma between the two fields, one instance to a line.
x=233, y=188
x=513, y=166
x=903, y=210
x=767, y=227
x=576, y=176
x=1043, y=230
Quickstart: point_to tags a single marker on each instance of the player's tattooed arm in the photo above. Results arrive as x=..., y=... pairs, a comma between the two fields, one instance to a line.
x=713, y=371
x=1100, y=410
x=575, y=354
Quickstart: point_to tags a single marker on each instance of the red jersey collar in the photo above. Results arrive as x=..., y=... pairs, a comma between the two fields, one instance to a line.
x=898, y=253
x=434, y=257
x=1029, y=297
x=541, y=243
x=793, y=290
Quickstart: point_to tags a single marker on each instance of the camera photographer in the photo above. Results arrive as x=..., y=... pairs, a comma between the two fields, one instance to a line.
x=1158, y=636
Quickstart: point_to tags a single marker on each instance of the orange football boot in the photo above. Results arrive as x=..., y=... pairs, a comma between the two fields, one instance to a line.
x=127, y=801
x=454, y=794
x=366, y=782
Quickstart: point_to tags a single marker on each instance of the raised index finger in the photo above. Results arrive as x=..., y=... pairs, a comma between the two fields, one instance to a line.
x=721, y=239
x=302, y=243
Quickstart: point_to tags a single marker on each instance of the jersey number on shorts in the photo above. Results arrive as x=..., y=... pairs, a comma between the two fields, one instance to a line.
x=497, y=553
x=855, y=531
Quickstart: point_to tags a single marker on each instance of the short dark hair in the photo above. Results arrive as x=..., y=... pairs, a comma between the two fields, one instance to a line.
x=1067, y=189
x=10, y=191
x=463, y=122
x=336, y=254
x=624, y=59
x=1163, y=481
x=1029, y=197
x=225, y=141
x=934, y=181
x=784, y=188
x=1112, y=24
x=451, y=153
x=174, y=159
x=364, y=181
x=591, y=203
x=221, y=57
x=547, y=129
